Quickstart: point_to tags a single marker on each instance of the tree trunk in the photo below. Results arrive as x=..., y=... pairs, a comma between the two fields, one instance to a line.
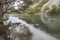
x=3, y=32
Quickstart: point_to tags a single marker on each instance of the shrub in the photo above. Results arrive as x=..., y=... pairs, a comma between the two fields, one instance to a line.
x=55, y=10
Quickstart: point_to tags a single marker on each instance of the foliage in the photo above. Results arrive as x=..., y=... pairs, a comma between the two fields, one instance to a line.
x=32, y=10
x=35, y=1
x=28, y=2
x=42, y=3
x=28, y=10
x=55, y=10
x=35, y=9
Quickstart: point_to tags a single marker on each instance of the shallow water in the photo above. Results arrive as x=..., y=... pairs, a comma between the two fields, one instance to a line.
x=37, y=34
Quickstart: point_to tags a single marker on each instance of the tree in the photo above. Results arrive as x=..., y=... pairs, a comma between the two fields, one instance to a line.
x=3, y=8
